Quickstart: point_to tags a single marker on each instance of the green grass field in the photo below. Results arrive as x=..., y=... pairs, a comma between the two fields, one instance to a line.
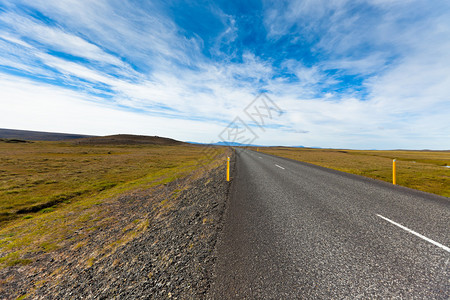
x=50, y=189
x=421, y=170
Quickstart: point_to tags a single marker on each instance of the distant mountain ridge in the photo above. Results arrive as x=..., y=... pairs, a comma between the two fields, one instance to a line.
x=234, y=144
x=29, y=135
x=230, y=144
x=14, y=135
x=127, y=139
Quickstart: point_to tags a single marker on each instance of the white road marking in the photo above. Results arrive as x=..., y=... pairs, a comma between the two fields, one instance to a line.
x=416, y=234
x=279, y=166
x=260, y=157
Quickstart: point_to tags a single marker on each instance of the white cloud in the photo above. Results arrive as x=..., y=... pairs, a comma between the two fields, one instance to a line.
x=14, y=40
x=28, y=105
x=367, y=65
x=56, y=39
x=161, y=73
x=147, y=37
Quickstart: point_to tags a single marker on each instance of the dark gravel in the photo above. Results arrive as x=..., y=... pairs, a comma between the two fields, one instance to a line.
x=173, y=258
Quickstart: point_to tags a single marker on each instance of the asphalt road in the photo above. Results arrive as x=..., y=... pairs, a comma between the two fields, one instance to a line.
x=297, y=231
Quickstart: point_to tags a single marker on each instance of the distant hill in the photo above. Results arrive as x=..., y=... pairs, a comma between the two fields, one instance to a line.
x=127, y=139
x=235, y=144
x=229, y=144
x=13, y=134
x=16, y=136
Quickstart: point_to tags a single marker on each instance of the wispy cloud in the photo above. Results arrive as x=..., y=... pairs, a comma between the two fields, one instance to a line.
x=360, y=74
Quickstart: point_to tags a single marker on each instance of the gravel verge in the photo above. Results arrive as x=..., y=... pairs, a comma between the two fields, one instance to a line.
x=165, y=250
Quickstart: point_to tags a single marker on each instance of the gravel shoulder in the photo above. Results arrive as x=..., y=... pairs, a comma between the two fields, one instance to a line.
x=160, y=244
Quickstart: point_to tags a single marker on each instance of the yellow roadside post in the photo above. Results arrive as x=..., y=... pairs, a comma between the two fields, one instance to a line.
x=394, y=179
x=228, y=169
x=257, y=149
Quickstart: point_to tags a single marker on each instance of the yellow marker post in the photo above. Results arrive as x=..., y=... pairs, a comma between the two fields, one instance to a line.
x=394, y=179
x=257, y=149
x=228, y=169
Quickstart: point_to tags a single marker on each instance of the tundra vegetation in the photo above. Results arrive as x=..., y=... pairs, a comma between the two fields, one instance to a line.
x=49, y=190
x=427, y=171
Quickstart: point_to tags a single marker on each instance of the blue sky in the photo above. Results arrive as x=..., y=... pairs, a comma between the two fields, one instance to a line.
x=370, y=74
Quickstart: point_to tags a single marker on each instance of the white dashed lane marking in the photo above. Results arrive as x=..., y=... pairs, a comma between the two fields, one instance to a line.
x=415, y=233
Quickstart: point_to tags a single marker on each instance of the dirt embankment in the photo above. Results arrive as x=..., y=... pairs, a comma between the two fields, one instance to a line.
x=165, y=250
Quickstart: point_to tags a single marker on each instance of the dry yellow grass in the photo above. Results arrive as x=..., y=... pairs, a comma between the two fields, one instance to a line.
x=34, y=176
x=422, y=170
x=48, y=190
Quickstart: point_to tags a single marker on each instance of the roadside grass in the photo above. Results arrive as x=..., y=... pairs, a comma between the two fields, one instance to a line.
x=421, y=170
x=51, y=190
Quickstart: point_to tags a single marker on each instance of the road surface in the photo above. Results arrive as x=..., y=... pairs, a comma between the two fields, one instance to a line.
x=297, y=231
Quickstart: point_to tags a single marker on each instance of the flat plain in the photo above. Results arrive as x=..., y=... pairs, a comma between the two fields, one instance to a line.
x=48, y=190
x=427, y=171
